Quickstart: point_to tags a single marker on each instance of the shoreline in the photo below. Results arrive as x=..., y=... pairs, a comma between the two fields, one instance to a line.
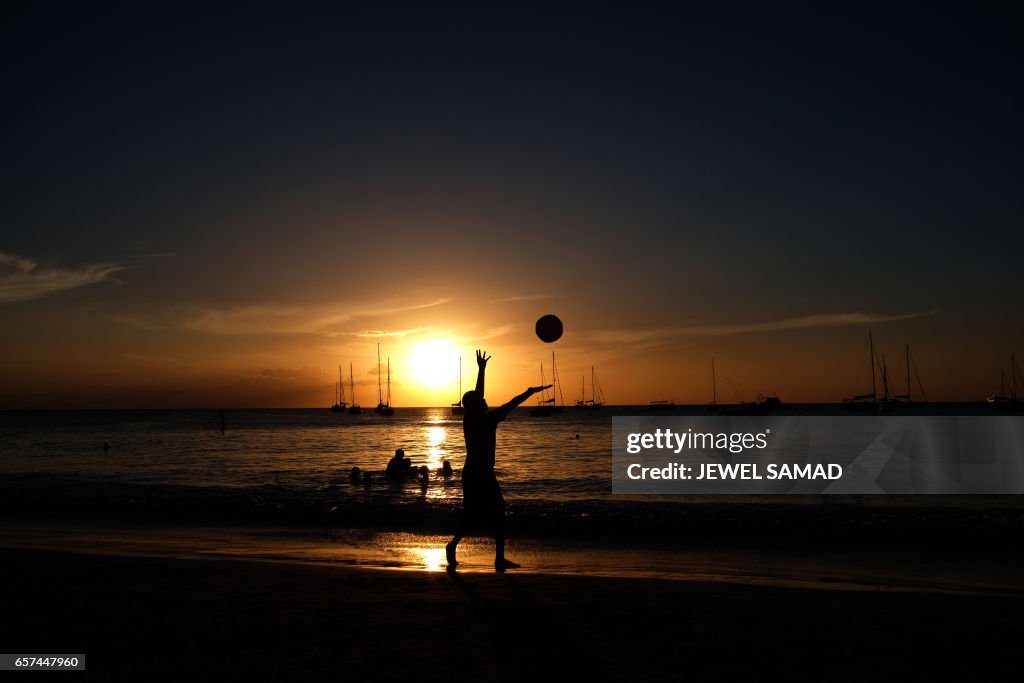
x=165, y=618
x=885, y=568
x=974, y=522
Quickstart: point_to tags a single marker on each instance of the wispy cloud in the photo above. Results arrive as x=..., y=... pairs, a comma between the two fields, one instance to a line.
x=632, y=336
x=291, y=320
x=393, y=334
x=457, y=337
x=491, y=333
x=23, y=279
x=309, y=374
x=522, y=297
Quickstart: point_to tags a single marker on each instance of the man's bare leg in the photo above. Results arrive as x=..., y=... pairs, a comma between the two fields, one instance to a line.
x=449, y=550
x=500, y=563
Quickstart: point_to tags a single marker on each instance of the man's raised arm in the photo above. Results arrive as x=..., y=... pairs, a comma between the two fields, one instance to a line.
x=481, y=364
x=504, y=410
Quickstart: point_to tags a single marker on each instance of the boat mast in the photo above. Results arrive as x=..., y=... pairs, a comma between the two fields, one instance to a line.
x=908, y=373
x=389, y=381
x=554, y=380
x=920, y=386
x=714, y=385
x=351, y=382
x=885, y=378
x=380, y=397
x=874, y=389
x=1014, y=371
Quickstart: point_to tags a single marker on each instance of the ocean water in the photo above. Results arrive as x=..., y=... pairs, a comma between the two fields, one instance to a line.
x=561, y=458
x=291, y=467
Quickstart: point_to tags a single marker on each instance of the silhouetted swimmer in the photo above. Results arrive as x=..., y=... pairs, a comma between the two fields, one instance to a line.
x=481, y=495
x=446, y=469
x=106, y=448
x=354, y=474
x=423, y=476
x=398, y=466
x=577, y=436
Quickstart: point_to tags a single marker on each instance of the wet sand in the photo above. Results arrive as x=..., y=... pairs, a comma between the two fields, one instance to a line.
x=921, y=568
x=164, y=618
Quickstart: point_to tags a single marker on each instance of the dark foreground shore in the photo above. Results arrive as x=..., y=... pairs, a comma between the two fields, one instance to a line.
x=140, y=618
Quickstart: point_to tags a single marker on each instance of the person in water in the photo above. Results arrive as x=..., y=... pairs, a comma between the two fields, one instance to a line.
x=398, y=466
x=482, y=501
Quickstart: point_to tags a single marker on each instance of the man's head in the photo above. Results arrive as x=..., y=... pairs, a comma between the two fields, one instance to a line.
x=474, y=403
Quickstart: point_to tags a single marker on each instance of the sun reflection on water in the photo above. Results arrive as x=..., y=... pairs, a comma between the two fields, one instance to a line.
x=435, y=436
x=433, y=559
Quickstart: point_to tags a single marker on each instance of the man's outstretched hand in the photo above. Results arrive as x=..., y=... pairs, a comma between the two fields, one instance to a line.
x=482, y=358
x=534, y=390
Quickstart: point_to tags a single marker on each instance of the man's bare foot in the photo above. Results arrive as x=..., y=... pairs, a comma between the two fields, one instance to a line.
x=501, y=565
x=449, y=551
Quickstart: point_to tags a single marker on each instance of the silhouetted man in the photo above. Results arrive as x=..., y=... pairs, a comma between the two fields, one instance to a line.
x=398, y=466
x=482, y=501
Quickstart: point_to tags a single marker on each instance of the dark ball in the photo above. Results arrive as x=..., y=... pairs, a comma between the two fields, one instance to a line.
x=549, y=328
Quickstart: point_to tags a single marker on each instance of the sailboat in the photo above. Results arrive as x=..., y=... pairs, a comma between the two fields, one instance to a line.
x=596, y=399
x=457, y=408
x=866, y=402
x=1007, y=397
x=555, y=402
x=383, y=407
x=1003, y=395
x=911, y=363
x=339, y=390
x=543, y=407
x=888, y=400
x=353, y=409
x=713, y=406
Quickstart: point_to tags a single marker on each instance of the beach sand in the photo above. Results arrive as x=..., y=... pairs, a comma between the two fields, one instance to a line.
x=161, y=618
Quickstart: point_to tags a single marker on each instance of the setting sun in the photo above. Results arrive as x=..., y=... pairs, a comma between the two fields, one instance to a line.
x=434, y=363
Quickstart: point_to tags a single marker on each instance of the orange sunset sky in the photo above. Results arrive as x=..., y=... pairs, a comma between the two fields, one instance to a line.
x=208, y=211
